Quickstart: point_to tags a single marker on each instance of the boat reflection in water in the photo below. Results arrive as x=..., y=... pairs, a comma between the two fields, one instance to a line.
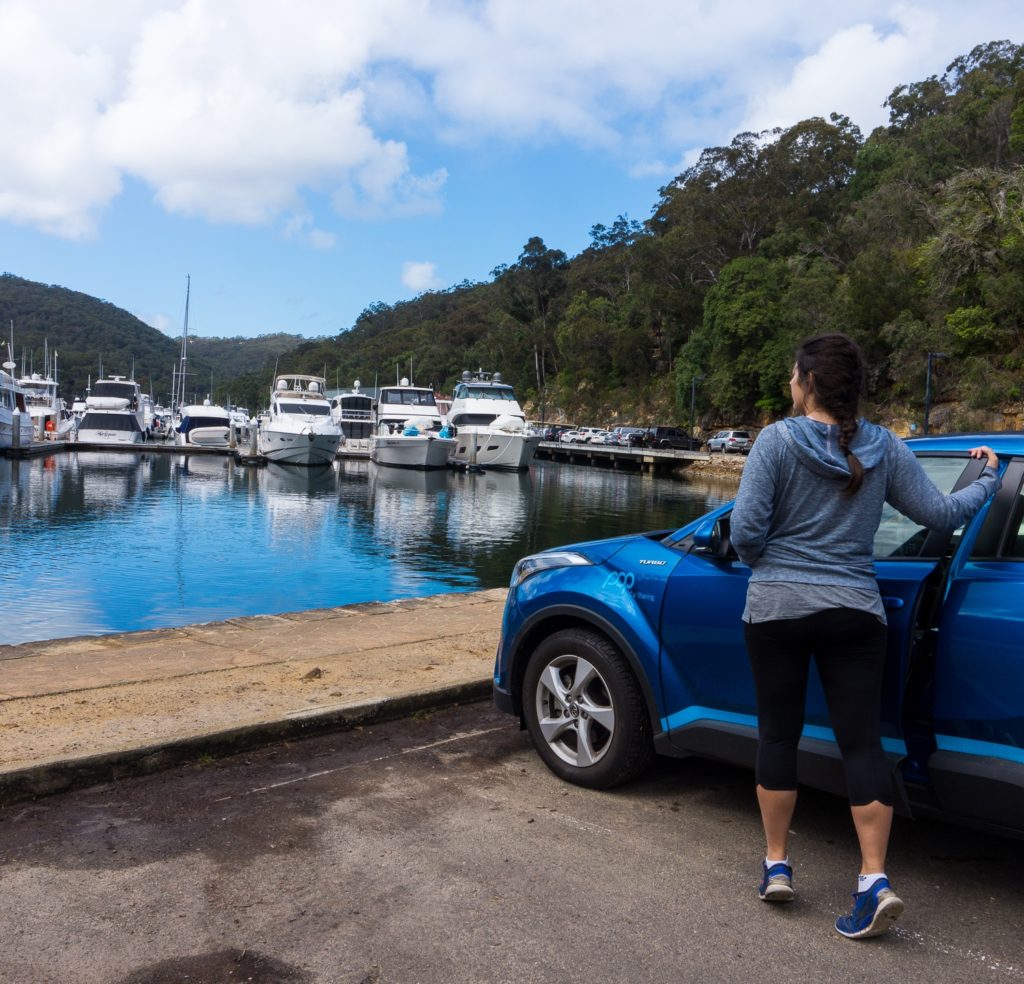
x=300, y=499
x=117, y=541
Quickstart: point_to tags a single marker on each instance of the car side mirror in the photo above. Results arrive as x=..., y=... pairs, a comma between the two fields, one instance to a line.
x=712, y=539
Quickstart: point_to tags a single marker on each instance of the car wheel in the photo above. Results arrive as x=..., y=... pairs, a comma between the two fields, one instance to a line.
x=585, y=712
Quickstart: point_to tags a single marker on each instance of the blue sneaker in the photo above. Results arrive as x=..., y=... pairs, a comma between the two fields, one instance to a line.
x=776, y=883
x=874, y=911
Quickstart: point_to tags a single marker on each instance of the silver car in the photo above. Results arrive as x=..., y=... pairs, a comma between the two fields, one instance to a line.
x=731, y=440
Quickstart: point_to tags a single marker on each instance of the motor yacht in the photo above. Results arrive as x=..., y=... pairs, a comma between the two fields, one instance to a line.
x=490, y=426
x=113, y=413
x=12, y=398
x=353, y=413
x=410, y=432
x=298, y=428
x=51, y=418
x=203, y=426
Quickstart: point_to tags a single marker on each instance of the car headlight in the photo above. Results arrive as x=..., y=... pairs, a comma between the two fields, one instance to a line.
x=529, y=566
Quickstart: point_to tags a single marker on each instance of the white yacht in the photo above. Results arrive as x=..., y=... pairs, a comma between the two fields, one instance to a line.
x=51, y=418
x=410, y=432
x=298, y=428
x=113, y=413
x=490, y=426
x=353, y=413
x=12, y=397
x=203, y=426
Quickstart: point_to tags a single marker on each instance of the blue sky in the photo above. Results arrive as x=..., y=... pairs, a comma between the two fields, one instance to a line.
x=303, y=160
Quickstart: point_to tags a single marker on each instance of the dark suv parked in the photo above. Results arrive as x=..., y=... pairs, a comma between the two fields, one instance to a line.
x=671, y=437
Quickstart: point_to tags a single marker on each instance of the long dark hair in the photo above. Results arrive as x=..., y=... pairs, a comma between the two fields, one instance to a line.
x=831, y=368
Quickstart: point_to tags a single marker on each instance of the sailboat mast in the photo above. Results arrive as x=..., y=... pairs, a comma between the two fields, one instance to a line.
x=180, y=401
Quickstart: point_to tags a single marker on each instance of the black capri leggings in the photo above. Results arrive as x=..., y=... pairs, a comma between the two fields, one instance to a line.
x=849, y=648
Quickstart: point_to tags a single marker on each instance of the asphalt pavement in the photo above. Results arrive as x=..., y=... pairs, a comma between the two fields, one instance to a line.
x=438, y=848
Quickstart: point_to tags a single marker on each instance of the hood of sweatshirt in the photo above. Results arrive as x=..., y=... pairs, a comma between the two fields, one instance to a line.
x=817, y=445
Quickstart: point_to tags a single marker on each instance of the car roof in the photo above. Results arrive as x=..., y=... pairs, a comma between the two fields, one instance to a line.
x=1002, y=442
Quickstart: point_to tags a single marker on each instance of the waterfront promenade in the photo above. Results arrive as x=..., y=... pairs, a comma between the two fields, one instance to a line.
x=78, y=711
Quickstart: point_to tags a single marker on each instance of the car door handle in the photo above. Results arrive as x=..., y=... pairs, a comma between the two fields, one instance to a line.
x=890, y=603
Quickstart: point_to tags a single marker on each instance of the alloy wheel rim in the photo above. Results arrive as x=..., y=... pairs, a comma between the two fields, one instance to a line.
x=574, y=711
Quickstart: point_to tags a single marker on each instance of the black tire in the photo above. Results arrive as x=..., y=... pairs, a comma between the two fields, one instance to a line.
x=596, y=735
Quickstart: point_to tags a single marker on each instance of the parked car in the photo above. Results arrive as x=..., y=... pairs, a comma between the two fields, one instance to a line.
x=613, y=650
x=571, y=437
x=624, y=436
x=731, y=440
x=553, y=432
x=672, y=437
x=603, y=437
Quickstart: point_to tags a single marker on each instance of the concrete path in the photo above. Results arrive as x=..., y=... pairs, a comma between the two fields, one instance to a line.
x=78, y=711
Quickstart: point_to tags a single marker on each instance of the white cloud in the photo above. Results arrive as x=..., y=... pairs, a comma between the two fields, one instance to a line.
x=420, y=276
x=248, y=111
x=852, y=72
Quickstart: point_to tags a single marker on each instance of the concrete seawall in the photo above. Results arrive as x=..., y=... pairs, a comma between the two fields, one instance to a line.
x=79, y=711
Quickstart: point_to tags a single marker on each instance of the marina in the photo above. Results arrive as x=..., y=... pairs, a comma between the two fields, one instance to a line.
x=153, y=537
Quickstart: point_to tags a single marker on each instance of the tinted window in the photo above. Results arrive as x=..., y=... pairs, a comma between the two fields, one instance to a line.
x=313, y=409
x=110, y=421
x=898, y=536
x=1015, y=541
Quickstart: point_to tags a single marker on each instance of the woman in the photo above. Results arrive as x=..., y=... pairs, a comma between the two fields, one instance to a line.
x=808, y=507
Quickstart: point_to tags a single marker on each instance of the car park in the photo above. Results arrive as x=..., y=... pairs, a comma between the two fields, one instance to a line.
x=613, y=650
x=736, y=441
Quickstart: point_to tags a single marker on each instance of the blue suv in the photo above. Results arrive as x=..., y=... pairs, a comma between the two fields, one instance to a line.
x=614, y=650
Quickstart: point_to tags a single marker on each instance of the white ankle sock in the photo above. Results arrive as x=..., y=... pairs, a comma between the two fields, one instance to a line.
x=864, y=882
x=770, y=862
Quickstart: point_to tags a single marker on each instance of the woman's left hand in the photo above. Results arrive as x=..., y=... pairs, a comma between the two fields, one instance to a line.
x=983, y=451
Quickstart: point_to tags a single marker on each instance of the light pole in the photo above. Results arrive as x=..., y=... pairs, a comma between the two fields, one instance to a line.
x=928, y=387
x=693, y=397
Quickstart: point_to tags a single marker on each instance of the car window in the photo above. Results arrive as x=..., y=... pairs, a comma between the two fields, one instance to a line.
x=1015, y=541
x=898, y=536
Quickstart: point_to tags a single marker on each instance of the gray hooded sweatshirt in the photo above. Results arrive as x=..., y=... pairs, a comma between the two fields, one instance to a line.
x=808, y=546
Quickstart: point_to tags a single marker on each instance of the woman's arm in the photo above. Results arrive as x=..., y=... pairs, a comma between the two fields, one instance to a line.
x=752, y=513
x=914, y=494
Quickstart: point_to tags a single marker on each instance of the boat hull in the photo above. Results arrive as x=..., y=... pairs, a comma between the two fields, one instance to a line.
x=291, y=448
x=422, y=451
x=509, y=451
x=205, y=437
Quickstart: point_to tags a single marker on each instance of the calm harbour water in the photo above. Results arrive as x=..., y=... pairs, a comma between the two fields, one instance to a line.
x=98, y=542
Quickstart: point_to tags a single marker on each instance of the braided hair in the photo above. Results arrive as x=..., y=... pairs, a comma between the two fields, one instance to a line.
x=831, y=367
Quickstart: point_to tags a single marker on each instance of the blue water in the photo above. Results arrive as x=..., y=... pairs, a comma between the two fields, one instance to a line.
x=96, y=542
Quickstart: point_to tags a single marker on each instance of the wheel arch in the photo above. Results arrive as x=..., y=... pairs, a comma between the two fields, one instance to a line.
x=557, y=618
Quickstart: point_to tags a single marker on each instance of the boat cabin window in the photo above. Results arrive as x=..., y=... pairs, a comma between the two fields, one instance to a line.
x=97, y=420
x=467, y=391
x=473, y=419
x=313, y=409
x=409, y=398
x=357, y=407
x=191, y=423
x=122, y=391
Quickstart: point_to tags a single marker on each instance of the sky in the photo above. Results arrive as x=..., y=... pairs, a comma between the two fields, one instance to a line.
x=300, y=160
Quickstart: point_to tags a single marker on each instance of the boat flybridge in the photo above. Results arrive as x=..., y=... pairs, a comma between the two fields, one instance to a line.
x=353, y=413
x=114, y=413
x=410, y=432
x=490, y=426
x=298, y=429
